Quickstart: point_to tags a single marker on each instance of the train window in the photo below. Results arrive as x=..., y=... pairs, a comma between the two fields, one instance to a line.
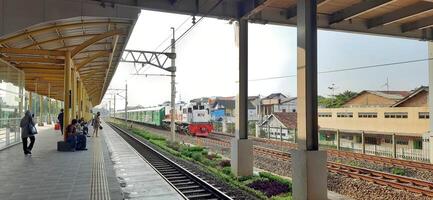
x=201, y=108
x=195, y=107
x=189, y=110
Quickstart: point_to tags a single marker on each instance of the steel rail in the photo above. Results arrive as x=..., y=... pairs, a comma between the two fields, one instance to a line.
x=190, y=185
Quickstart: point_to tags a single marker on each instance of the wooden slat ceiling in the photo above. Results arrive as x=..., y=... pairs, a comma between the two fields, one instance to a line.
x=92, y=39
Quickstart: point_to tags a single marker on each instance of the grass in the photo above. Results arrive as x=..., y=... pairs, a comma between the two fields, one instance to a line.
x=398, y=171
x=214, y=164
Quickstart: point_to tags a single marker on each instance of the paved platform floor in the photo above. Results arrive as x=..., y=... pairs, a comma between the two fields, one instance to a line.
x=49, y=174
x=139, y=179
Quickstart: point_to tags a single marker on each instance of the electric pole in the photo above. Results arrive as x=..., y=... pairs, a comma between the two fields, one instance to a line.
x=173, y=88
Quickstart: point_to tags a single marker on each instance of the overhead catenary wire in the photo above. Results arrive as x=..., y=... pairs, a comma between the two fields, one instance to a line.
x=348, y=69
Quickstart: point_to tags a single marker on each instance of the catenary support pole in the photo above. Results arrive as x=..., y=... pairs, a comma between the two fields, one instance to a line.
x=173, y=89
x=126, y=104
x=114, y=104
x=308, y=163
x=241, y=146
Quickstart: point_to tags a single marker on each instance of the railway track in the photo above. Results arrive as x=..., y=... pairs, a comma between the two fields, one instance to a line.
x=189, y=185
x=381, y=178
x=346, y=154
x=377, y=177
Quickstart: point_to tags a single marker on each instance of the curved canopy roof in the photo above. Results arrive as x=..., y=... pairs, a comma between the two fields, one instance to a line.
x=95, y=44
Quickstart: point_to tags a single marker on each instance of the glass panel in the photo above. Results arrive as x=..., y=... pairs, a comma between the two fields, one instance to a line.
x=11, y=105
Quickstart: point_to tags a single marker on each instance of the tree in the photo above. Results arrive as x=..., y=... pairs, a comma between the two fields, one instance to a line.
x=336, y=101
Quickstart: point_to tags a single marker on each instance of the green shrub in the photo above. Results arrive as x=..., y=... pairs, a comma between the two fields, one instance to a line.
x=174, y=145
x=398, y=171
x=208, y=162
x=227, y=171
x=197, y=156
x=244, y=178
x=276, y=178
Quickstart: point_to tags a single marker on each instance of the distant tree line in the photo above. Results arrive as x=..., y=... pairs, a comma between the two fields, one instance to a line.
x=336, y=101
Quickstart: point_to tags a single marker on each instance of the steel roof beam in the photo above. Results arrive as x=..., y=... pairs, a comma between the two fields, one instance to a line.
x=420, y=24
x=32, y=52
x=356, y=10
x=90, y=59
x=34, y=60
x=39, y=66
x=400, y=14
x=58, y=39
x=94, y=40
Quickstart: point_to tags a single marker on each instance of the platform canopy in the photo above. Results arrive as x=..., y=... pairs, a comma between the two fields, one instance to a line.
x=95, y=44
x=400, y=18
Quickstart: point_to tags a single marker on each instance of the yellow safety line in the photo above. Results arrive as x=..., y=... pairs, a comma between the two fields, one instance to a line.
x=99, y=182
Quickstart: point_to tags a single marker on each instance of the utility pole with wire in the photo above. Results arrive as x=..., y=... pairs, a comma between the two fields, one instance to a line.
x=173, y=88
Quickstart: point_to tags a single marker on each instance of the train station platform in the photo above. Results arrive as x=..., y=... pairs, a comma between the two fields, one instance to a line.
x=97, y=173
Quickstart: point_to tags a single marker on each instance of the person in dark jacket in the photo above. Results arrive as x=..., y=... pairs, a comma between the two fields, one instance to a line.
x=60, y=118
x=26, y=124
x=71, y=134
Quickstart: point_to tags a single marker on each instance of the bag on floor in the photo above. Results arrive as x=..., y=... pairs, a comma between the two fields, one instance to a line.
x=81, y=142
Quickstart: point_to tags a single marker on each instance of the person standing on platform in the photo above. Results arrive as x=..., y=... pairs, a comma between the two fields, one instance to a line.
x=28, y=130
x=96, y=124
x=60, y=118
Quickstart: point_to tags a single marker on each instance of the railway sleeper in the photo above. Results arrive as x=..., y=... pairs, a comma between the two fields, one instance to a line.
x=200, y=196
x=188, y=187
x=185, y=192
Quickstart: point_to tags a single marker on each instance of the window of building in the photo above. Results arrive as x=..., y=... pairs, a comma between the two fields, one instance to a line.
x=327, y=114
x=423, y=115
x=345, y=114
x=347, y=137
x=367, y=115
x=396, y=115
x=417, y=144
x=402, y=142
x=388, y=140
x=371, y=140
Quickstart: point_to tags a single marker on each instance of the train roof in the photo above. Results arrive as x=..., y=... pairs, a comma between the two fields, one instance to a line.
x=148, y=109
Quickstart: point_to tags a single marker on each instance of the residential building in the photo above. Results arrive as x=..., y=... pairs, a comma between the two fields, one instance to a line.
x=280, y=125
x=370, y=98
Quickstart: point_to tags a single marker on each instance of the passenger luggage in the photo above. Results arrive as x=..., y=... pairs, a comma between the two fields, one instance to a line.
x=57, y=126
x=81, y=142
x=63, y=146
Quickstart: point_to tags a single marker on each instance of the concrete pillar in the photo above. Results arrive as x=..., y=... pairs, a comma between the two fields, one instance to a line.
x=337, y=134
x=430, y=100
x=394, y=146
x=241, y=146
x=363, y=142
x=67, y=92
x=258, y=130
x=309, y=164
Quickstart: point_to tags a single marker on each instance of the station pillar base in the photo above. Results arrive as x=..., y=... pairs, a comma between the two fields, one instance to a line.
x=309, y=174
x=242, y=159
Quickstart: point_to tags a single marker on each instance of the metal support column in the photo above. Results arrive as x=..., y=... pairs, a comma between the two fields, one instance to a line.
x=309, y=164
x=241, y=146
x=30, y=108
x=41, y=111
x=49, y=120
x=67, y=92
x=394, y=146
x=173, y=89
x=430, y=100
x=74, y=93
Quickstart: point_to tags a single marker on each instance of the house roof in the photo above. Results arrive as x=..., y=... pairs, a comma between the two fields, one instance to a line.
x=275, y=95
x=289, y=99
x=288, y=119
x=392, y=95
x=411, y=95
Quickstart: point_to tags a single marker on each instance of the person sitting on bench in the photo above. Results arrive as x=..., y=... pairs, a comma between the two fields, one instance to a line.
x=81, y=138
x=71, y=133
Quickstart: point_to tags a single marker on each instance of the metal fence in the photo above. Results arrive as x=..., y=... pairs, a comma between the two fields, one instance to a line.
x=9, y=132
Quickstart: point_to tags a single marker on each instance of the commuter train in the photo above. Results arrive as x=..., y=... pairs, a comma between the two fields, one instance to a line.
x=192, y=118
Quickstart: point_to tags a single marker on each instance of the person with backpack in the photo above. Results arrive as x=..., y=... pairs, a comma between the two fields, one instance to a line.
x=96, y=124
x=28, y=130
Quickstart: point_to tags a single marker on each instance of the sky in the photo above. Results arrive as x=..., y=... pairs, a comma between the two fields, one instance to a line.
x=207, y=60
